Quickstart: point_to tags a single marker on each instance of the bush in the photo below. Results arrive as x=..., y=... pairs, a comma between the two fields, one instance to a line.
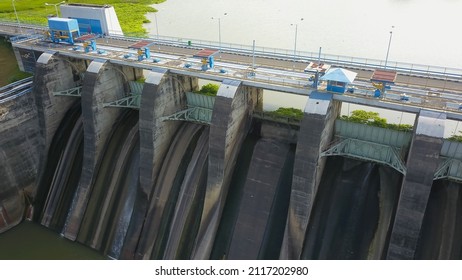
x=209, y=89
x=373, y=118
x=455, y=138
x=141, y=80
x=288, y=113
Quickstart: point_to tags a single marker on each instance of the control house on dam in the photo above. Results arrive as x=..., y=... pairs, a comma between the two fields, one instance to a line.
x=111, y=145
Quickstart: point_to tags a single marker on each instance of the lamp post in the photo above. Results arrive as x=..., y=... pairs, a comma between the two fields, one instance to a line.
x=389, y=43
x=219, y=32
x=295, y=40
x=15, y=12
x=157, y=26
x=56, y=6
x=157, y=30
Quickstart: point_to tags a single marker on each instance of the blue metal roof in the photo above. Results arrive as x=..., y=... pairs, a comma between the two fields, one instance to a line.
x=339, y=75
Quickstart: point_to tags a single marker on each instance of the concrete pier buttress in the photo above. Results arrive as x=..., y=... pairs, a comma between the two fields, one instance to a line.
x=422, y=163
x=315, y=134
x=103, y=83
x=230, y=123
x=163, y=94
x=52, y=74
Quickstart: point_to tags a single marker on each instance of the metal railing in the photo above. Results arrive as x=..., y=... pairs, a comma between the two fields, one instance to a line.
x=421, y=70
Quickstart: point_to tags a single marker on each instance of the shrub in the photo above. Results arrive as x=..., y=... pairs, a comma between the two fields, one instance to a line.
x=373, y=118
x=455, y=138
x=209, y=89
x=288, y=113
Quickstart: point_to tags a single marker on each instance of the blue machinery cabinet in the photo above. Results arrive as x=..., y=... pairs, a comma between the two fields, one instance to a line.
x=63, y=29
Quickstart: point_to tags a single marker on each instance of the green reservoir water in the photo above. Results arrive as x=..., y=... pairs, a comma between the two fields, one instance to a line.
x=31, y=241
x=9, y=70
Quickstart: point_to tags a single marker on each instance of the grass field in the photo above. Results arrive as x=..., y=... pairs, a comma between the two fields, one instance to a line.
x=9, y=70
x=131, y=13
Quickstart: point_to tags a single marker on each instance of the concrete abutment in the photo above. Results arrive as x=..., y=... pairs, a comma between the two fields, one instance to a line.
x=19, y=158
x=422, y=163
x=315, y=134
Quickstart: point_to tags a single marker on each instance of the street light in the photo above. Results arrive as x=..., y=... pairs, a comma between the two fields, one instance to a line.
x=56, y=6
x=157, y=26
x=295, y=40
x=389, y=43
x=219, y=31
x=15, y=12
x=157, y=30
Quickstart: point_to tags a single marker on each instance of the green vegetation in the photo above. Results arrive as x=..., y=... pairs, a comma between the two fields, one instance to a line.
x=373, y=118
x=19, y=75
x=141, y=80
x=209, y=89
x=455, y=138
x=10, y=71
x=131, y=13
x=287, y=113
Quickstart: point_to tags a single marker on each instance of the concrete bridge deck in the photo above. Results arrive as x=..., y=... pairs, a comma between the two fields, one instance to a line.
x=435, y=90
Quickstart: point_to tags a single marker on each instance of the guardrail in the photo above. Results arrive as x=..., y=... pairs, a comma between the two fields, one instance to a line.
x=420, y=70
x=412, y=69
x=28, y=79
x=11, y=97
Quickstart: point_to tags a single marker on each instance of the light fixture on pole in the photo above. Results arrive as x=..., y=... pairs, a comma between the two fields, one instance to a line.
x=56, y=6
x=15, y=12
x=389, y=43
x=157, y=30
x=295, y=40
x=157, y=25
x=219, y=31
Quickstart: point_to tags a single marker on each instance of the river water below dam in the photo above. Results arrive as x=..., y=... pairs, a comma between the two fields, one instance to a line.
x=31, y=241
x=8, y=64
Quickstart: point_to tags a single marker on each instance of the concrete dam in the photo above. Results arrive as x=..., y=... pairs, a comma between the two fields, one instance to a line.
x=151, y=170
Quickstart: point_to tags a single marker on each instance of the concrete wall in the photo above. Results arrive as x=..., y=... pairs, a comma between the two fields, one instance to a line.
x=230, y=123
x=103, y=83
x=316, y=132
x=422, y=163
x=19, y=157
x=255, y=210
x=163, y=94
x=278, y=131
x=53, y=74
x=28, y=124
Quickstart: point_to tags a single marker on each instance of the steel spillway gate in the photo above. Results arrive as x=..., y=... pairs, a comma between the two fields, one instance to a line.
x=199, y=109
x=450, y=167
x=132, y=100
x=365, y=142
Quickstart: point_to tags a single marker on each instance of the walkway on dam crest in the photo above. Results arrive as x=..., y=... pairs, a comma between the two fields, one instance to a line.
x=433, y=90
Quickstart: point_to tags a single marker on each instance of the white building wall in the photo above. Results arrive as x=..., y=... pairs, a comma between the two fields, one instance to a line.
x=112, y=22
x=105, y=14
